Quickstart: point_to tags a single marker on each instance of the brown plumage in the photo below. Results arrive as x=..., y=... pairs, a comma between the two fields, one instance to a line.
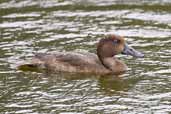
x=104, y=62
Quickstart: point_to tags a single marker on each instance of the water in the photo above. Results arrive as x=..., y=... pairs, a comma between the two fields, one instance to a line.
x=28, y=26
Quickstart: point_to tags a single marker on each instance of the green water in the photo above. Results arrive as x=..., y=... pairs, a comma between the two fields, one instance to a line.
x=29, y=26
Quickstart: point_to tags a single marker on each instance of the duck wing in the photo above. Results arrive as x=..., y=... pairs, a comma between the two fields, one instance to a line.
x=75, y=59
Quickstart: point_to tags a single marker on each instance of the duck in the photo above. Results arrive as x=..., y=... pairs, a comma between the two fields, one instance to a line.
x=103, y=62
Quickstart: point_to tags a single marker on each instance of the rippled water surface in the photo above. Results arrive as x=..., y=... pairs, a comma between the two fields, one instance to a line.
x=29, y=26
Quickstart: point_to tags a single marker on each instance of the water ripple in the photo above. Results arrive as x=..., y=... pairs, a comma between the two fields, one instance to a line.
x=77, y=25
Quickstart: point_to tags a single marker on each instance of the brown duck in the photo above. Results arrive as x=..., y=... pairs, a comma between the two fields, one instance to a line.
x=104, y=62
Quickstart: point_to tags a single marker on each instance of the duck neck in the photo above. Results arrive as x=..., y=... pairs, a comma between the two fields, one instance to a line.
x=107, y=62
x=105, y=55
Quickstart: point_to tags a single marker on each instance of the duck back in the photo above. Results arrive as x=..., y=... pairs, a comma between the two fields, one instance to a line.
x=68, y=62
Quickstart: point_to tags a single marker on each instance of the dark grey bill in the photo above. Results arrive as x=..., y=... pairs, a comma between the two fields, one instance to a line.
x=131, y=51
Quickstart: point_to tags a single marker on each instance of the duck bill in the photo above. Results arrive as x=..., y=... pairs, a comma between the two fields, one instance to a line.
x=131, y=51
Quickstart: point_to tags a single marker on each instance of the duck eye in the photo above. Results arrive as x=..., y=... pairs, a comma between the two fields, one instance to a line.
x=115, y=42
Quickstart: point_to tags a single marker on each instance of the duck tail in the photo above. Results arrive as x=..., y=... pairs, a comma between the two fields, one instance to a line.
x=28, y=67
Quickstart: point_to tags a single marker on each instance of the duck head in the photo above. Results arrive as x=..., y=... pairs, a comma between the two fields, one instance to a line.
x=113, y=45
